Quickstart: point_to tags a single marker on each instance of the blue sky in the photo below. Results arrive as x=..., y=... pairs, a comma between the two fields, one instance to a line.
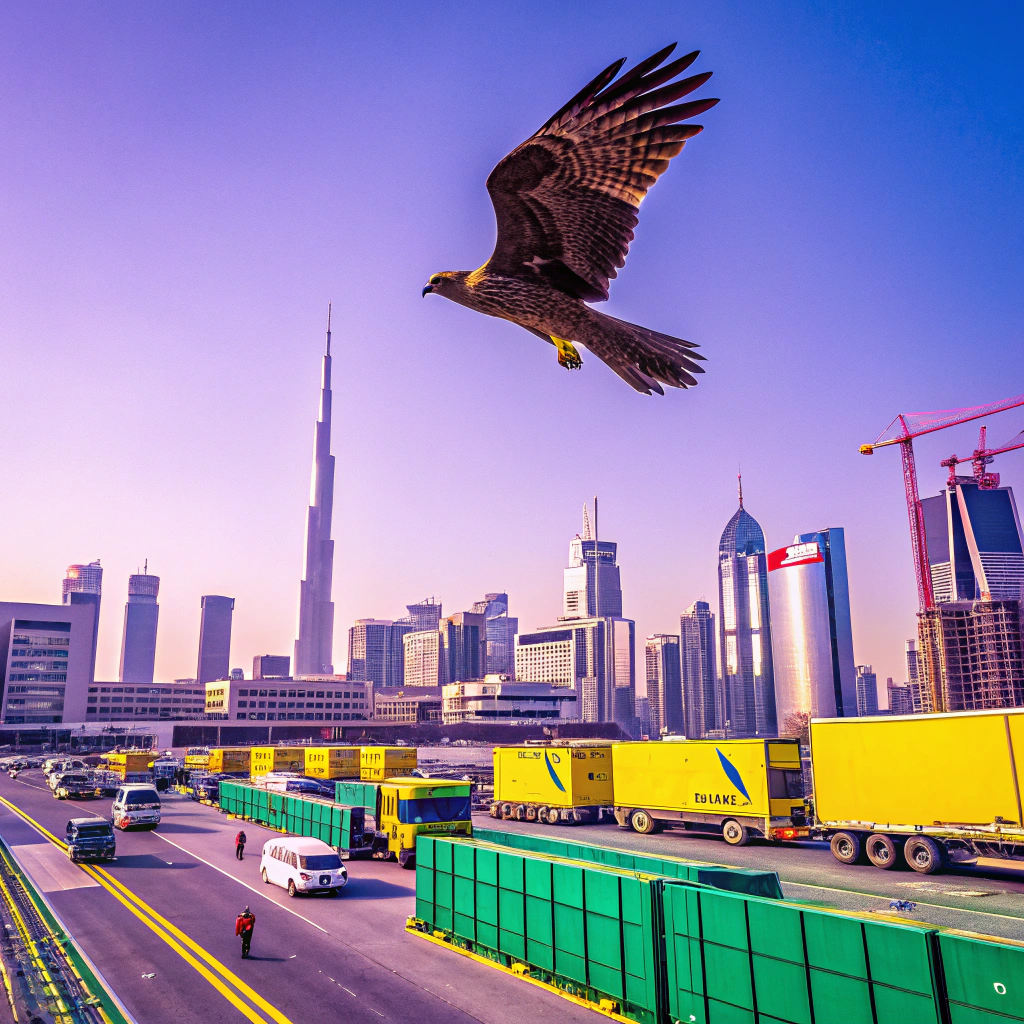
x=186, y=185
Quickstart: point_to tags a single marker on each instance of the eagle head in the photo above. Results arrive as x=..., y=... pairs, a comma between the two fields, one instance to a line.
x=451, y=284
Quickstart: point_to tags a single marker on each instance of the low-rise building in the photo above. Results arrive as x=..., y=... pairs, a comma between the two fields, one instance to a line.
x=320, y=699
x=410, y=705
x=499, y=698
x=145, y=702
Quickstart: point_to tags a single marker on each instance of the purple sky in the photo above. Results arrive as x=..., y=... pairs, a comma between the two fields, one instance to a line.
x=186, y=185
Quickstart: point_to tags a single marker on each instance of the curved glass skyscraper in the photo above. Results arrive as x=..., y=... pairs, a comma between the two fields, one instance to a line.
x=747, y=697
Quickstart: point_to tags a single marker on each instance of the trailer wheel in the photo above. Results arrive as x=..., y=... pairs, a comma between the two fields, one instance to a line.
x=847, y=847
x=495, y=811
x=643, y=822
x=923, y=855
x=531, y=812
x=552, y=816
x=519, y=812
x=734, y=833
x=882, y=851
x=506, y=811
x=407, y=859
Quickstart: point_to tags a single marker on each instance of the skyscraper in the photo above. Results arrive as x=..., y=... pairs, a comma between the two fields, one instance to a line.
x=747, y=697
x=812, y=638
x=138, y=641
x=501, y=634
x=592, y=564
x=867, y=691
x=314, y=648
x=424, y=615
x=975, y=544
x=83, y=584
x=370, y=650
x=664, y=686
x=423, y=662
x=463, y=646
x=271, y=666
x=214, y=638
x=913, y=665
x=697, y=663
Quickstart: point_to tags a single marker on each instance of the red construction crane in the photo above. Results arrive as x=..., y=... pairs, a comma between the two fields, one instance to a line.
x=980, y=458
x=907, y=426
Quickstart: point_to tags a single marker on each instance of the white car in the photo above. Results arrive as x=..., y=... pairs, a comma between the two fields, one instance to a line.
x=300, y=864
x=136, y=804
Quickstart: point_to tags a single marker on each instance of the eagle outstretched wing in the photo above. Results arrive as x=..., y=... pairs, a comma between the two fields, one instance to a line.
x=567, y=199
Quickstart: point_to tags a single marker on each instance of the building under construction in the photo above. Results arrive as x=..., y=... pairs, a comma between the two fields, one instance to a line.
x=972, y=654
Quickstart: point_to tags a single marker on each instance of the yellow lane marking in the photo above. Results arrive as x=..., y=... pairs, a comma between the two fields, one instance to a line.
x=170, y=934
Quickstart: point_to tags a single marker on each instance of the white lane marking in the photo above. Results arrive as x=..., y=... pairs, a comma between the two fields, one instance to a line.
x=349, y=991
x=228, y=874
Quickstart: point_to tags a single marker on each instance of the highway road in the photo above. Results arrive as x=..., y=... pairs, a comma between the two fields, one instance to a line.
x=159, y=926
x=985, y=899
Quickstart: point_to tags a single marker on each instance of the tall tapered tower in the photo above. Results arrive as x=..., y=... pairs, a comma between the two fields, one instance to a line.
x=314, y=648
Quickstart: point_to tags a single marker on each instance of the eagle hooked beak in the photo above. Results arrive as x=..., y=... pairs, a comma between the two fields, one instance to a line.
x=427, y=289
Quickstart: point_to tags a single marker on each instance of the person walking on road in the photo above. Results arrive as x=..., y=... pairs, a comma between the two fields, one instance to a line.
x=244, y=925
x=240, y=845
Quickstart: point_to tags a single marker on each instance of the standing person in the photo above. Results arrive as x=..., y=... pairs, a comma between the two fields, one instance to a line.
x=240, y=844
x=244, y=925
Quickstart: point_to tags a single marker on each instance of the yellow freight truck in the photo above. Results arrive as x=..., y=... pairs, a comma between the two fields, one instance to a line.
x=379, y=763
x=922, y=789
x=332, y=762
x=276, y=759
x=230, y=760
x=407, y=808
x=552, y=784
x=131, y=761
x=197, y=759
x=735, y=788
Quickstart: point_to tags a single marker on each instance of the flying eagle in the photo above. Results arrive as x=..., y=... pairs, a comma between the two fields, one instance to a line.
x=566, y=202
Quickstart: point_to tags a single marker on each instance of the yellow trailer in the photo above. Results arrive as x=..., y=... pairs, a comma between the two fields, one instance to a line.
x=276, y=759
x=332, y=762
x=736, y=788
x=230, y=760
x=131, y=761
x=197, y=759
x=379, y=763
x=924, y=789
x=552, y=784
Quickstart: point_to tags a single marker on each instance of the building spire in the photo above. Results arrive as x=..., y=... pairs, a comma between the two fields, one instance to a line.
x=739, y=481
x=328, y=327
x=586, y=523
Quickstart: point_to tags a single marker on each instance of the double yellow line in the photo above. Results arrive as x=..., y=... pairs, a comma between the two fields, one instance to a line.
x=226, y=982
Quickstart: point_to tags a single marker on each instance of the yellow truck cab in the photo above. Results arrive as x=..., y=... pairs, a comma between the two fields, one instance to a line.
x=407, y=807
x=736, y=788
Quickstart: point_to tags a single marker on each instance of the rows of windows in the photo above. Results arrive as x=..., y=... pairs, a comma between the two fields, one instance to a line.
x=38, y=677
x=41, y=666
x=41, y=641
x=37, y=652
x=148, y=700
x=146, y=689
x=289, y=716
x=293, y=704
x=329, y=694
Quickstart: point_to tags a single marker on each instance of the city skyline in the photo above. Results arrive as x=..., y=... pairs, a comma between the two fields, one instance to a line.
x=208, y=475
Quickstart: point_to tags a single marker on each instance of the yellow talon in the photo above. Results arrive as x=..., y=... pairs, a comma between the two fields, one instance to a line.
x=567, y=354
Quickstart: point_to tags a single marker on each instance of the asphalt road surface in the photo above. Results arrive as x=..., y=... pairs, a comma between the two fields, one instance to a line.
x=985, y=899
x=159, y=925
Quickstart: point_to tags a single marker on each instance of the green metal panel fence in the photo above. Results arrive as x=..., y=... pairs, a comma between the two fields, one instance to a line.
x=662, y=950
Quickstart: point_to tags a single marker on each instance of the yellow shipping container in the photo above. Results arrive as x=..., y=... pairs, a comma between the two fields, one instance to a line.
x=741, y=787
x=563, y=776
x=914, y=771
x=131, y=761
x=379, y=763
x=332, y=762
x=229, y=759
x=197, y=761
x=276, y=759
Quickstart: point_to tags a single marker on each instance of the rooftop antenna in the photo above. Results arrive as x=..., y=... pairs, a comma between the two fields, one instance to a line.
x=586, y=523
x=328, y=327
x=145, y=567
x=739, y=479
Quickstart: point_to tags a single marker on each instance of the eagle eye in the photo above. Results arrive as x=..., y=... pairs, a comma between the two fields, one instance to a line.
x=436, y=279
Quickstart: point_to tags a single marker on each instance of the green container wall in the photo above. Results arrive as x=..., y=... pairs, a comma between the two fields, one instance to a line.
x=356, y=794
x=756, y=883
x=984, y=979
x=590, y=927
x=335, y=825
x=735, y=957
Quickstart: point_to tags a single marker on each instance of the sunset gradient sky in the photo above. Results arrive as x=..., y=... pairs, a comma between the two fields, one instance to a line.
x=185, y=185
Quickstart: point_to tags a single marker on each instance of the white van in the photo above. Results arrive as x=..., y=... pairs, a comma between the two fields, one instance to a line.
x=300, y=864
x=136, y=804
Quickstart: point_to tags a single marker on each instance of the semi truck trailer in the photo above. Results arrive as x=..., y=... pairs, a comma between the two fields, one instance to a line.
x=553, y=784
x=926, y=790
x=733, y=788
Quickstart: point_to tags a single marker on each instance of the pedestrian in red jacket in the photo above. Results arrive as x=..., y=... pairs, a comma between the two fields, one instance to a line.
x=244, y=925
x=240, y=845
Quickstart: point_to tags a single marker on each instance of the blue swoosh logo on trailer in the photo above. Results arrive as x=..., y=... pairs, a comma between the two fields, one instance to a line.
x=733, y=775
x=551, y=772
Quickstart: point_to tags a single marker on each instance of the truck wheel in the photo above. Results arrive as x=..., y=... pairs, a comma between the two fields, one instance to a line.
x=519, y=813
x=506, y=811
x=495, y=811
x=847, y=848
x=531, y=813
x=734, y=833
x=552, y=816
x=923, y=855
x=643, y=823
x=406, y=859
x=882, y=851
